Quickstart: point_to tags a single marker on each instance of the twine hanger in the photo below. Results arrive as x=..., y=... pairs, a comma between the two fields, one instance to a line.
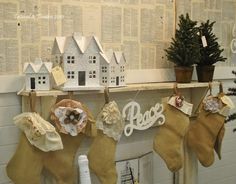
x=70, y=94
x=106, y=95
x=176, y=90
x=32, y=98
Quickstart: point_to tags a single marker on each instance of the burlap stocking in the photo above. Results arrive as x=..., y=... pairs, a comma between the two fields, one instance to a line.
x=205, y=134
x=169, y=137
x=218, y=143
x=102, y=158
x=102, y=151
x=61, y=163
x=26, y=165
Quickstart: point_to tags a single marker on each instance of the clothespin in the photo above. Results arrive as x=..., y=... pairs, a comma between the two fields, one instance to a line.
x=106, y=95
x=70, y=94
x=32, y=97
x=221, y=90
x=210, y=87
x=176, y=92
x=179, y=98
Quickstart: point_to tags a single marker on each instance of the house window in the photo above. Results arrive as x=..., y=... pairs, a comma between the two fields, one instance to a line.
x=42, y=80
x=104, y=79
x=112, y=69
x=70, y=59
x=104, y=69
x=92, y=74
x=70, y=75
x=122, y=79
x=92, y=59
x=113, y=80
x=122, y=68
x=56, y=59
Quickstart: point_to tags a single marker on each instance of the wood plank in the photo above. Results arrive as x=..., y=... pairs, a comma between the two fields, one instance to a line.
x=128, y=88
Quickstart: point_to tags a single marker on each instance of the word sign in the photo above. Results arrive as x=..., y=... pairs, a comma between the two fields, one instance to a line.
x=137, y=120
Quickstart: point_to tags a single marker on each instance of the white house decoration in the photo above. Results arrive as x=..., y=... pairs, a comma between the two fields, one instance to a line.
x=37, y=75
x=86, y=65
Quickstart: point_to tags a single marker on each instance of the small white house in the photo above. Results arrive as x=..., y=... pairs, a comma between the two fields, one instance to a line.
x=85, y=64
x=37, y=75
x=112, y=69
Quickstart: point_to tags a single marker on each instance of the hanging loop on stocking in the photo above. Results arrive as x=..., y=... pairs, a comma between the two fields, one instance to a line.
x=179, y=99
x=70, y=94
x=106, y=95
x=32, y=98
x=221, y=90
x=210, y=88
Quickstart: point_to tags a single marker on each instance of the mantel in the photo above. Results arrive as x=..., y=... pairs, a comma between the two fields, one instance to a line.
x=130, y=87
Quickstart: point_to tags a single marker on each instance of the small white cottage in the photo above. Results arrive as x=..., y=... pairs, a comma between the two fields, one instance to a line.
x=112, y=69
x=37, y=75
x=85, y=64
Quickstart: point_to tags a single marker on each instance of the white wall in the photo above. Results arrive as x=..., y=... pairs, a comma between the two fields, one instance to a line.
x=10, y=105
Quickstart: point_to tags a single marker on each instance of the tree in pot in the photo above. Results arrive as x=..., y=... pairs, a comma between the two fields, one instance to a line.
x=184, y=49
x=210, y=52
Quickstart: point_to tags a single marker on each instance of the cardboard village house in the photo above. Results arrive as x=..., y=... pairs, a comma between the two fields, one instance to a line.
x=37, y=75
x=85, y=64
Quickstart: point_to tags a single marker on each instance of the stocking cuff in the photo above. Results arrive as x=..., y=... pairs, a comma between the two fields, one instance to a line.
x=186, y=107
x=38, y=131
x=110, y=121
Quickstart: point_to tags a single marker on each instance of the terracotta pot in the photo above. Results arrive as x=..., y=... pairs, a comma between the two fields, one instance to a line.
x=183, y=74
x=205, y=73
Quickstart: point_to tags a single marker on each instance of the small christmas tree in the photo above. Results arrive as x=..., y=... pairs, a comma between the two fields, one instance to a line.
x=211, y=52
x=232, y=92
x=184, y=48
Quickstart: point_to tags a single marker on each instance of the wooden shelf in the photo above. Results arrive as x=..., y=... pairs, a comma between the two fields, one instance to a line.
x=130, y=87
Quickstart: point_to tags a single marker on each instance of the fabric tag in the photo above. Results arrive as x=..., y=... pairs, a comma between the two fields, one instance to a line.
x=204, y=41
x=185, y=108
x=227, y=101
x=58, y=75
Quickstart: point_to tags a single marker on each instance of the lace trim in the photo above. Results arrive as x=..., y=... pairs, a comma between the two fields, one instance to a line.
x=38, y=131
x=110, y=121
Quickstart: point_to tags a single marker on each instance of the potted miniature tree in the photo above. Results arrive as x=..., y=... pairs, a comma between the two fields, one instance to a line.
x=210, y=52
x=184, y=49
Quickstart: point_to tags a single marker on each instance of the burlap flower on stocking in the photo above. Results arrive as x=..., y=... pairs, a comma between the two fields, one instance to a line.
x=72, y=120
x=71, y=117
x=212, y=104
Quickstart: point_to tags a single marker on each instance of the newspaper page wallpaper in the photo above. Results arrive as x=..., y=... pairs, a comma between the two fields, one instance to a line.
x=140, y=28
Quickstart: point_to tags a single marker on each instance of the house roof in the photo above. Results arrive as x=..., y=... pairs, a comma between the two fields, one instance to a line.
x=104, y=57
x=61, y=43
x=38, y=66
x=116, y=54
x=81, y=41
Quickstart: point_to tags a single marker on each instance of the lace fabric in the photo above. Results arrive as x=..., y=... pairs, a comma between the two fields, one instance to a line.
x=221, y=104
x=110, y=121
x=38, y=131
x=72, y=120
